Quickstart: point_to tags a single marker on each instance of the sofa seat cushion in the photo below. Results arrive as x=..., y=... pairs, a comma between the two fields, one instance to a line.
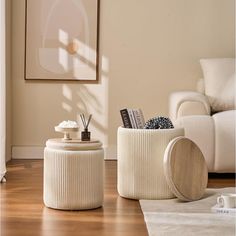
x=219, y=78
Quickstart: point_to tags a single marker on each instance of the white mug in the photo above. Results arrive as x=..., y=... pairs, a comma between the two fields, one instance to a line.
x=227, y=200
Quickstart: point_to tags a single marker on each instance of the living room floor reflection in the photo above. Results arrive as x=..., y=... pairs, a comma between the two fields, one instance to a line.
x=23, y=211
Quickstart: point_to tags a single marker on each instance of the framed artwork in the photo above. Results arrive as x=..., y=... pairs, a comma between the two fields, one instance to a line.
x=61, y=40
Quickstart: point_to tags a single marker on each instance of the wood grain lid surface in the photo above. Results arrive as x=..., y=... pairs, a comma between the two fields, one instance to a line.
x=73, y=145
x=185, y=169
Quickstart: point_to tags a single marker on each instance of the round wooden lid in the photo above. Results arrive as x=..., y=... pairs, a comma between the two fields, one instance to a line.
x=73, y=145
x=185, y=169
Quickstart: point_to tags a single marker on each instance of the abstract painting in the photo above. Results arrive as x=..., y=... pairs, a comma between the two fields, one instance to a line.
x=61, y=40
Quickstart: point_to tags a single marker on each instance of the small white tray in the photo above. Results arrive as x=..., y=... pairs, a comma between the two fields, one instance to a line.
x=218, y=209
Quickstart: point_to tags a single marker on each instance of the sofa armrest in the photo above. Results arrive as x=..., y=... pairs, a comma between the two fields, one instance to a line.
x=186, y=103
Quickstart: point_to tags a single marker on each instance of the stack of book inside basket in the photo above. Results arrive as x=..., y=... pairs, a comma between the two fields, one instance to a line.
x=132, y=118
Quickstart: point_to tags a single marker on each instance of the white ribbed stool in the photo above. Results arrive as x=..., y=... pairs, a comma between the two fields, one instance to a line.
x=140, y=162
x=73, y=174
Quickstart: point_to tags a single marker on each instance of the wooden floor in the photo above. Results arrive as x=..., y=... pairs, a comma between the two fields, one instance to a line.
x=23, y=212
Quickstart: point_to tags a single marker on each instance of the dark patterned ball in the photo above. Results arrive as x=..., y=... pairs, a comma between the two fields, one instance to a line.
x=159, y=122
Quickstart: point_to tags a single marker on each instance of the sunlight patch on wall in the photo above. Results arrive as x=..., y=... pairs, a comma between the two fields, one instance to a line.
x=66, y=107
x=85, y=52
x=63, y=37
x=105, y=65
x=63, y=58
x=66, y=91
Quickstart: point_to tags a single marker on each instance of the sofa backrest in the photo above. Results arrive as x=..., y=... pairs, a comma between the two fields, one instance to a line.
x=219, y=80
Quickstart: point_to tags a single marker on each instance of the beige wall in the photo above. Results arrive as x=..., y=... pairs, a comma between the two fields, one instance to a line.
x=148, y=48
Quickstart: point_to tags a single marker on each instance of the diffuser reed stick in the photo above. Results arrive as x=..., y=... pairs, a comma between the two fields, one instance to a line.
x=85, y=135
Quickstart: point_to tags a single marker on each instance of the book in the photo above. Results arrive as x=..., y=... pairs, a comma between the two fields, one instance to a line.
x=125, y=118
x=218, y=209
x=132, y=118
x=139, y=118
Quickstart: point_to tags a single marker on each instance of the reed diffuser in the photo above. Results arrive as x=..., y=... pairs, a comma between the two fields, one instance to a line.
x=85, y=135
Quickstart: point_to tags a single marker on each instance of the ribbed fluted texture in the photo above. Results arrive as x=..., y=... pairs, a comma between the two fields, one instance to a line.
x=73, y=179
x=140, y=162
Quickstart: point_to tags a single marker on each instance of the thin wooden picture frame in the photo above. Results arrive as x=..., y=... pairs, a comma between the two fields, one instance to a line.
x=73, y=51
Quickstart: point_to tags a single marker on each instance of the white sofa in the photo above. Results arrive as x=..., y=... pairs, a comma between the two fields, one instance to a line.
x=208, y=116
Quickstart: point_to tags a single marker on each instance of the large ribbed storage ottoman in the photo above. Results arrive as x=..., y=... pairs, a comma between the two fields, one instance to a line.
x=73, y=174
x=140, y=162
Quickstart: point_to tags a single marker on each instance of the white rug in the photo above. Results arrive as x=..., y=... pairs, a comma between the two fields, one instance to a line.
x=173, y=217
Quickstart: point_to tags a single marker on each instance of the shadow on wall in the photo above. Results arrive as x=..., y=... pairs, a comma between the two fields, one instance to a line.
x=69, y=50
x=71, y=98
x=88, y=97
x=79, y=99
